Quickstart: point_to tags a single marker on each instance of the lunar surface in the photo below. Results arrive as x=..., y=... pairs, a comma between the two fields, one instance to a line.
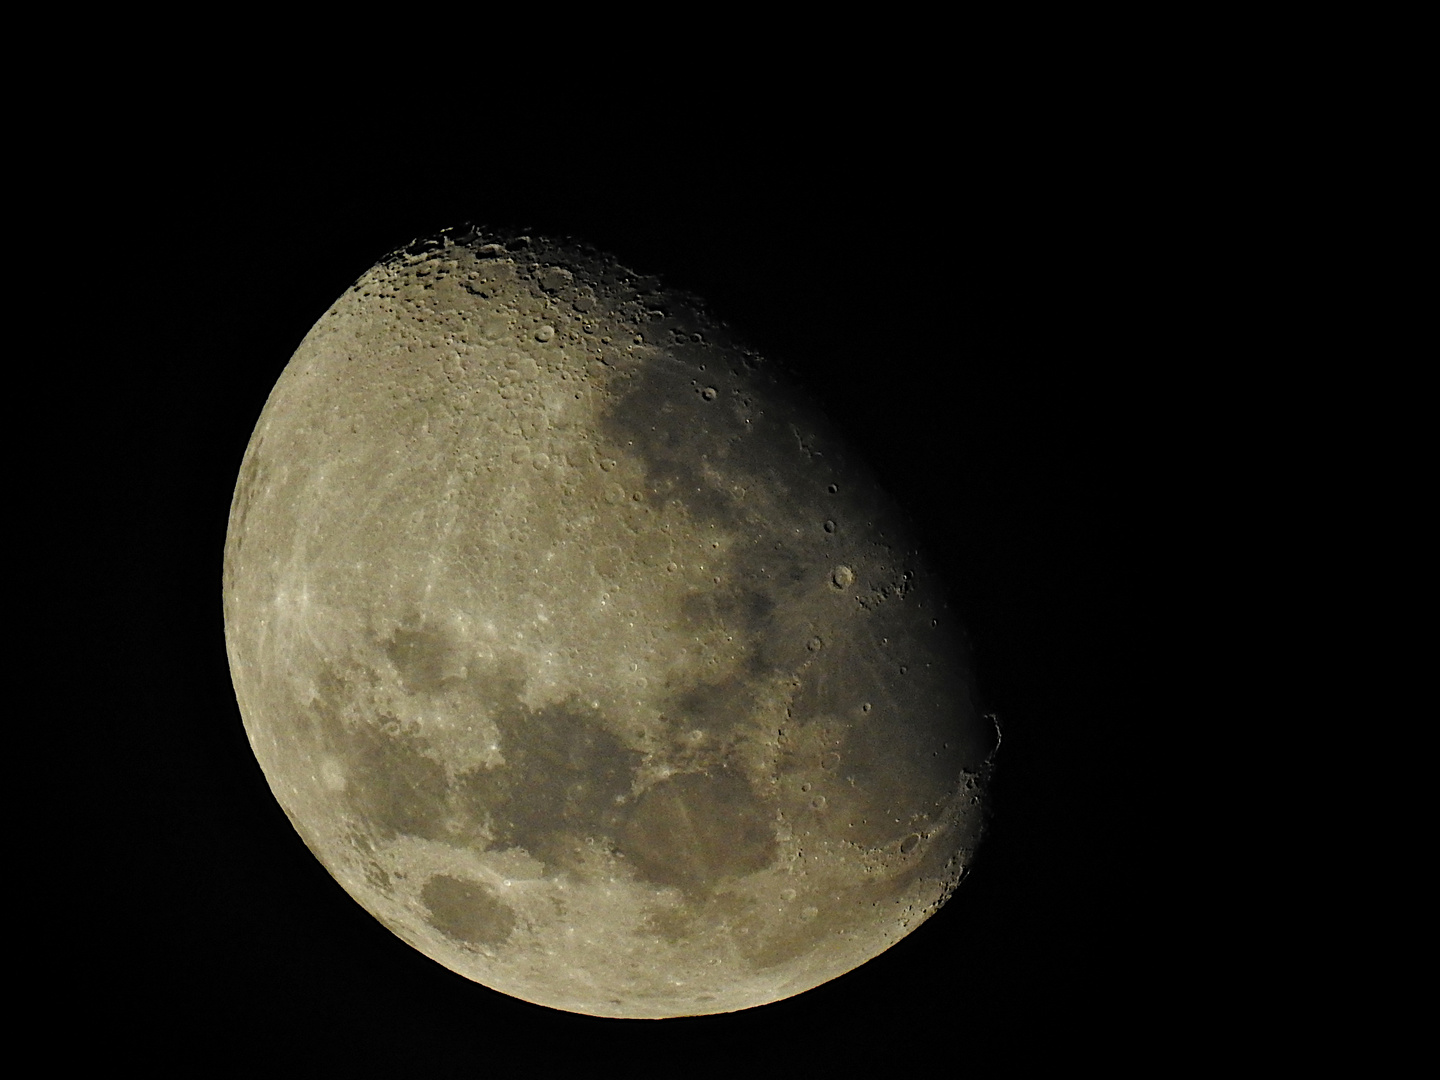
x=582, y=652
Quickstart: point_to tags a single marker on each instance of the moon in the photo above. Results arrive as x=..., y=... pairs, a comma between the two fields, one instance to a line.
x=581, y=649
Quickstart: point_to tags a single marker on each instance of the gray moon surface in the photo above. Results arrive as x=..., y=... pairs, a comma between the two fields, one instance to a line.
x=582, y=651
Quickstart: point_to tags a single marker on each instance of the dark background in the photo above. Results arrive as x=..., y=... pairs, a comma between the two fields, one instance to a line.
x=969, y=304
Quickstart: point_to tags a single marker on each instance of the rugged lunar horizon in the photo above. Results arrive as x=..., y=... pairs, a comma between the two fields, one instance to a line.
x=580, y=649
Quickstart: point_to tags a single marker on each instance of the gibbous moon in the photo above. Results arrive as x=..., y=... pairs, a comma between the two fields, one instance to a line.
x=580, y=649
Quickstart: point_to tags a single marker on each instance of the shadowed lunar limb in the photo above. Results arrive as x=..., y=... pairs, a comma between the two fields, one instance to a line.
x=583, y=651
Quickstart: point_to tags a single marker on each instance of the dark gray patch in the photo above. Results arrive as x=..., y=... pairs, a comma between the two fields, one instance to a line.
x=783, y=645
x=858, y=909
x=377, y=876
x=323, y=709
x=360, y=840
x=675, y=925
x=467, y=912
x=789, y=941
x=697, y=611
x=697, y=830
x=848, y=670
x=744, y=608
x=718, y=707
x=395, y=788
x=746, y=476
x=895, y=773
x=495, y=685
x=676, y=433
x=563, y=778
x=424, y=658
x=902, y=756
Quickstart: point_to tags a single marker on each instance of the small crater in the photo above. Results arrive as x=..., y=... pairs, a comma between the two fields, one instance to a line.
x=909, y=843
x=709, y=393
x=843, y=577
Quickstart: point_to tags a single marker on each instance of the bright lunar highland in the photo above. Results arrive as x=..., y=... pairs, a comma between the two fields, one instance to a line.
x=582, y=651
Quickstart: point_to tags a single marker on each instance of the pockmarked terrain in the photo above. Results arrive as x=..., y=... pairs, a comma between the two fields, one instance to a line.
x=582, y=651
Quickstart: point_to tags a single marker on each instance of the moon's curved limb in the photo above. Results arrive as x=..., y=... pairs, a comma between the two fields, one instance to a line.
x=582, y=652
